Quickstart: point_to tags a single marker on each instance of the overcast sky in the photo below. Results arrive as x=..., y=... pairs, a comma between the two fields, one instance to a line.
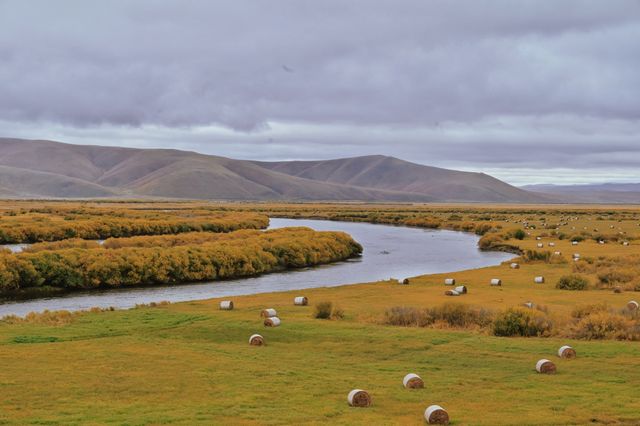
x=529, y=91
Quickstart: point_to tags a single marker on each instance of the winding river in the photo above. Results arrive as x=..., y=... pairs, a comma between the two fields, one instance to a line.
x=389, y=252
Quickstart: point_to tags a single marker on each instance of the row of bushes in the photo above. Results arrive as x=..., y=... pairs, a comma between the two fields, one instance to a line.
x=255, y=253
x=587, y=322
x=37, y=227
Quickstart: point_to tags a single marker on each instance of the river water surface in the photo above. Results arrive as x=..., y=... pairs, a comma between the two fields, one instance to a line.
x=389, y=252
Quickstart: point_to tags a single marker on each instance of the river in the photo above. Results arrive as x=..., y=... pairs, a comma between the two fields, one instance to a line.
x=389, y=252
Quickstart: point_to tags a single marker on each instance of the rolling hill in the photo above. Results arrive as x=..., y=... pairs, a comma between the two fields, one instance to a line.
x=38, y=168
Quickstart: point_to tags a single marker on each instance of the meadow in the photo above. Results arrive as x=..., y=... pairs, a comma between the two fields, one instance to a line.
x=191, y=362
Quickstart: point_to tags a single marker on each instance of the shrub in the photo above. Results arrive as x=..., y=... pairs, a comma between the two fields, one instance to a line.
x=323, y=310
x=537, y=256
x=522, y=322
x=572, y=282
x=606, y=325
x=519, y=234
x=449, y=314
x=326, y=310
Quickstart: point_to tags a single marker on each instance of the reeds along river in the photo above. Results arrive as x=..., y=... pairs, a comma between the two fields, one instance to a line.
x=389, y=252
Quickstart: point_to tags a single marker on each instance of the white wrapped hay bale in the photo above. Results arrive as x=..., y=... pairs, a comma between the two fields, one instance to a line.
x=566, y=352
x=576, y=255
x=538, y=238
x=268, y=313
x=451, y=293
x=552, y=244
x=413, y=381
x=538, y=280
x=404, y=281
x=632, y=305
x=574, y=243
x=544, y=366
x=514, y=266
x=449, y=281
x=359, y=398
x=436, y=415
x=529, y=305
x=540, y=245
x=557, y=253
x=301, y=301
x=272, y=322
x=625, y=243
x=601, y=242
x=256, y=340
x=496, y=281
x=461, y=289
x=226, y=305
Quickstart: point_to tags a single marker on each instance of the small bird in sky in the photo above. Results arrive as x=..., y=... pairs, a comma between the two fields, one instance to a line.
x=287, y=69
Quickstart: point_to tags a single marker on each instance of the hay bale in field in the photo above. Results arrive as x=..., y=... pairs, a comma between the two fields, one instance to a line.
x=601, y=242
x=544, y=366
x=301, y=301
x=272, y=322
x=538, y=238
x=552, y=244
x=449, y=281
x=451, y=293
x=461, y=289
x=496, y=281
x=413, y=381
x=557, y=253
x=625, y=243
x=226, y=305
x=404, y=281
x=514, y=266
x=268, y=313
x=436, y=415
x=574, y=243
x=576, y=255
x=540, y=245
x=359, y=398
x=256, y=340
x=632, y=305
x=566, y=352
x=617, y=289
x=529, y=305
x=538, y=280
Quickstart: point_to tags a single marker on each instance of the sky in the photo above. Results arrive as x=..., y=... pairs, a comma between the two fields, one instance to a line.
x=528, y=91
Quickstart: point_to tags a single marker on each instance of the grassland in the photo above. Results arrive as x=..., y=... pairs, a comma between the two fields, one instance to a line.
x=190, y=363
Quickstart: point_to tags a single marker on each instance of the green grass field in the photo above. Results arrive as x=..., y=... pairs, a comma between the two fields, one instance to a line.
x=190, y=363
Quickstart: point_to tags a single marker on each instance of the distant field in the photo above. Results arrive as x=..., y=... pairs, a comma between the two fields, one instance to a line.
x=191, y=363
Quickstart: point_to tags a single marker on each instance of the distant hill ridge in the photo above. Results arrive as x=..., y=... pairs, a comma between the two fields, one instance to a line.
x=40, y=168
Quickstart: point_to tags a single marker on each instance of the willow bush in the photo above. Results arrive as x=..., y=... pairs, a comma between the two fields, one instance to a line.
x=240, y=254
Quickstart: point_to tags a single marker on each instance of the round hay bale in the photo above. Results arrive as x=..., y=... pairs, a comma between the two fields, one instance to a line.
x=436, y=415
x=538, y=238
x=552, y=244
x=540, y=245
x=301, y=301
x=272, y=322
x=404, y=281
x=626, y=243
x=451, y=293
x=576, y=255
x=529, y=305
x=496, y=281
x=566, y=352
x=557, y=253
x=413, y=381
x=617, y=290
x=574, y=243
x=461, y=289
x=538, y=280
x=226, y=305
x=515, y=266
x=268, y=313
x=449, y=281
x=359, y=398
x=256, y=340
x=632, y=305
x=544, y=366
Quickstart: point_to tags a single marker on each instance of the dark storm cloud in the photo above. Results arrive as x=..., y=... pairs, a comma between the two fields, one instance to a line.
x=499, y=84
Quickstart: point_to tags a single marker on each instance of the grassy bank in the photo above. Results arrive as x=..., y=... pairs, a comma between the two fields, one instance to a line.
x=190, y=363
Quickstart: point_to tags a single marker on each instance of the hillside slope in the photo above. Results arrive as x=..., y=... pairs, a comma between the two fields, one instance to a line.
x=34, y=168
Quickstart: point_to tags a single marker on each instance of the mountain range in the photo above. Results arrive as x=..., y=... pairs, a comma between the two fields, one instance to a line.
x=48, y=169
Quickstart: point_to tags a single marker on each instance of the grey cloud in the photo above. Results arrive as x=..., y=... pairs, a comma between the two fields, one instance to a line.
x=496, y=85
